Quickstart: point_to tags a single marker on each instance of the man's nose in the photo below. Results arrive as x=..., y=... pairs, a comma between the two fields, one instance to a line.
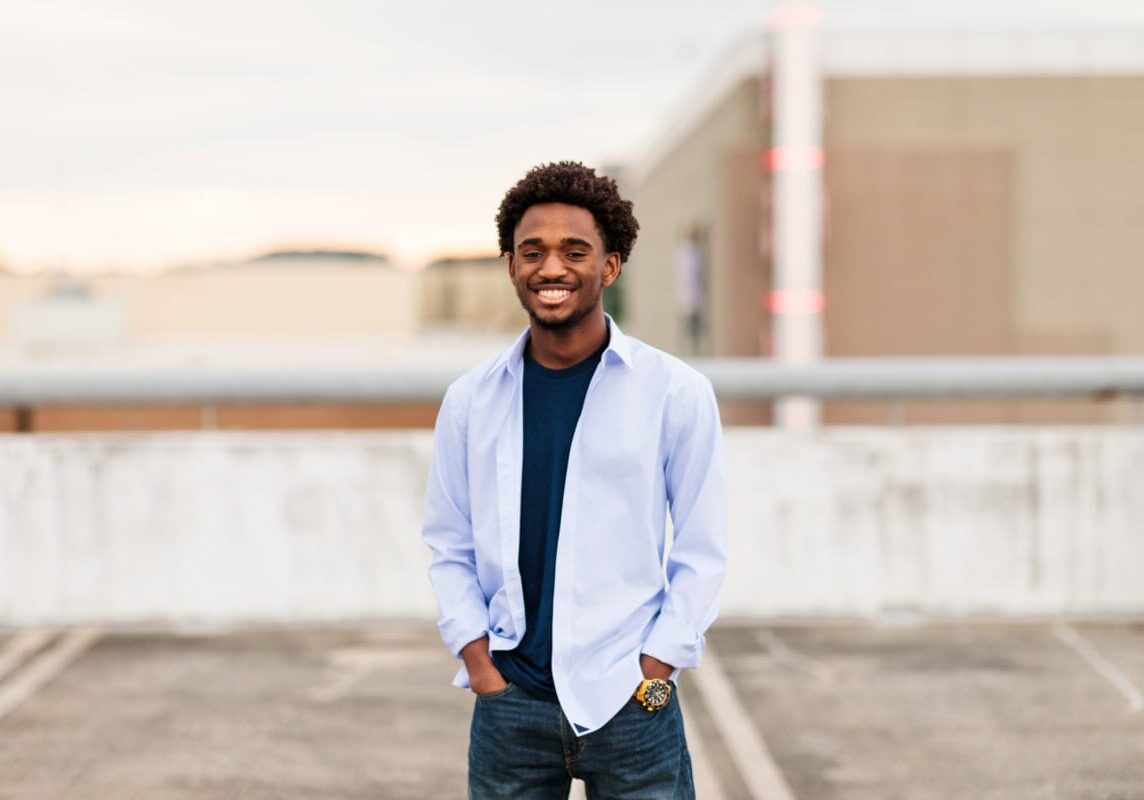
x=552, y=266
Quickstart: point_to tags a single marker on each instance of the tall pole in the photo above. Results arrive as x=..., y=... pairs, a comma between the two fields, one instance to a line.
x=796, y=160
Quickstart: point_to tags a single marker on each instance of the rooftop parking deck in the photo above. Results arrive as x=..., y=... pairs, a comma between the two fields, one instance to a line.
x=904, y=709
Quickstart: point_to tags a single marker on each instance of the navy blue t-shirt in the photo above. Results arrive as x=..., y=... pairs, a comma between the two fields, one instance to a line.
x=552, y=402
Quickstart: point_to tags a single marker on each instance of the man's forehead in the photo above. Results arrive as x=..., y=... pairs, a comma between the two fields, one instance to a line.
x=557, y=220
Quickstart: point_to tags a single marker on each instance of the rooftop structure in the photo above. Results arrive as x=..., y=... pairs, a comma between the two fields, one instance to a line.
x=981, y=196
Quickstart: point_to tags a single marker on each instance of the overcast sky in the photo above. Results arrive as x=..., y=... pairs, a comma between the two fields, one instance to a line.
x=145, y=134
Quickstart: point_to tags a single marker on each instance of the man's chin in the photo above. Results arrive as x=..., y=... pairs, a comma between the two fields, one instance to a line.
x=553, y=323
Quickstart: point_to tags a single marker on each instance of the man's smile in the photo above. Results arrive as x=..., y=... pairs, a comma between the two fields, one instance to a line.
x=553, y=295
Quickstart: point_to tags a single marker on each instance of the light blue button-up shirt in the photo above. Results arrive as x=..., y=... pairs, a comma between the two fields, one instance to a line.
x=648, y=441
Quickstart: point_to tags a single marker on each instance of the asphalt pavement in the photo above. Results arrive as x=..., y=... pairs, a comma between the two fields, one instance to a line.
x=862, y=711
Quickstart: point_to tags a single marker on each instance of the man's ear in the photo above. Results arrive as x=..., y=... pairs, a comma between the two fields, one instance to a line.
x=612, y=268
x=511, y=266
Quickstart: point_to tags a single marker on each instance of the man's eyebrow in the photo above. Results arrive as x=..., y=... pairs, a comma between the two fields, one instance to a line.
x=567, y=240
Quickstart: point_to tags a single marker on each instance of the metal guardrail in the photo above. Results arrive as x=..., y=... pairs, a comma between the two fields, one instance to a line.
x=1095, y=377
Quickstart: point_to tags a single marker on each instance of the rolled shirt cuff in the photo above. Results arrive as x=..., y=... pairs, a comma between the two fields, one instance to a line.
x=681, y=646
x=456, y=633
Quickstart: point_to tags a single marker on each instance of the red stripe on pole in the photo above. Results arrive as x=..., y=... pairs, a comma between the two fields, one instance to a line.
x=795, y=15
x=794, y=159
x=795, y=301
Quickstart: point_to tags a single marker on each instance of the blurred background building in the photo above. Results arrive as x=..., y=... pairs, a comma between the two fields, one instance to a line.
x=470, y=293
x=983, y=194
x=316, y=310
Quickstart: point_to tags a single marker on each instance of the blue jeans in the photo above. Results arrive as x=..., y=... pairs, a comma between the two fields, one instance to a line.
x=524, y=749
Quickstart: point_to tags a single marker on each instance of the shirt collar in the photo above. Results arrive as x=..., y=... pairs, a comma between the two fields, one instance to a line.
x=619, y=347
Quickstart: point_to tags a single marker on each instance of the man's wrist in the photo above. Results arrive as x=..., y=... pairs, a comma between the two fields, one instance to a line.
x=652, y=667
x=483, y=673
x=476, y=655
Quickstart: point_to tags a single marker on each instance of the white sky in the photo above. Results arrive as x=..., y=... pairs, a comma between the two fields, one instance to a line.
x=145, y=134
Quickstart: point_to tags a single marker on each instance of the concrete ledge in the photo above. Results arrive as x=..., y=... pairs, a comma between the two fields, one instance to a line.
x=320, y=526
x=957, y=521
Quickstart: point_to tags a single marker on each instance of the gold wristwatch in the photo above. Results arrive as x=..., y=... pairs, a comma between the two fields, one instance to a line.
x=653, y=693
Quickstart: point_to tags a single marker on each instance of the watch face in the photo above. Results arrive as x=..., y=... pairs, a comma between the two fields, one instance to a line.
x=657, y=693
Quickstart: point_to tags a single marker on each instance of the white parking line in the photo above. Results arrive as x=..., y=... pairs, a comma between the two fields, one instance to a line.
x=750, y=754
x=781, y=653
x=706, y=784
x=47, y=665
x=1103, y=667
x=20, y=646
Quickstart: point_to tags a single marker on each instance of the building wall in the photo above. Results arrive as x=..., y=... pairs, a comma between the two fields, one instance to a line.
x=472, y=294
x=985, y=214
x=964, y=215
x=316, y=315
x=249, y=416
x=712, y=178
x=1075, y=183
x=269, y=300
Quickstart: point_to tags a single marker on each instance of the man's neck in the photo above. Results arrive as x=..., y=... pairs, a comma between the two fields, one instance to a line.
x=557, y=349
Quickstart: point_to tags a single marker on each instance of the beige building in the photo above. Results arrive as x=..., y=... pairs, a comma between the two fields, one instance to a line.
x=278, y=295
x=470, y=293
x=983, y=194
x=310, y=310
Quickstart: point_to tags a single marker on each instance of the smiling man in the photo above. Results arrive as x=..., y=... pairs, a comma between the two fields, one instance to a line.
x=554, y=468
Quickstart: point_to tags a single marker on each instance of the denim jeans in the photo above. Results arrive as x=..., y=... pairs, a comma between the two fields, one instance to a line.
x=523, y=748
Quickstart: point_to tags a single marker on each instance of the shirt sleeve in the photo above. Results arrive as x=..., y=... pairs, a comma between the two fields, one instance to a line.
x=696, y=481
x=448, y=532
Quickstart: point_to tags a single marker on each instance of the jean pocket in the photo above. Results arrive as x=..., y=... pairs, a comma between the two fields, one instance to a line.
x=508, y=687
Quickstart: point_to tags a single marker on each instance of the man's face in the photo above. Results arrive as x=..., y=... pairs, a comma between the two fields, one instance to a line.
x=559, y=266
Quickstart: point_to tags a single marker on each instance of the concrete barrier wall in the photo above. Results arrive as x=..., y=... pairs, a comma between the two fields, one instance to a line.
x=297, y=527
x=941, y=521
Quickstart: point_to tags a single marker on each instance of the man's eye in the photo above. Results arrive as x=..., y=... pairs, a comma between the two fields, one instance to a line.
x=576, y=254
x=532, y=254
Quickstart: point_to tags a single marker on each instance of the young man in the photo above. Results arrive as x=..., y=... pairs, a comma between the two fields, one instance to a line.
x=554, y=465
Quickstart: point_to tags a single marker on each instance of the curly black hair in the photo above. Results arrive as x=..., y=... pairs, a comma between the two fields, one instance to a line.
x=575, y=184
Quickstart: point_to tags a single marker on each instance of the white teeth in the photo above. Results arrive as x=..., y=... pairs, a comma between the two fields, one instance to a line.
x=554, y=294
